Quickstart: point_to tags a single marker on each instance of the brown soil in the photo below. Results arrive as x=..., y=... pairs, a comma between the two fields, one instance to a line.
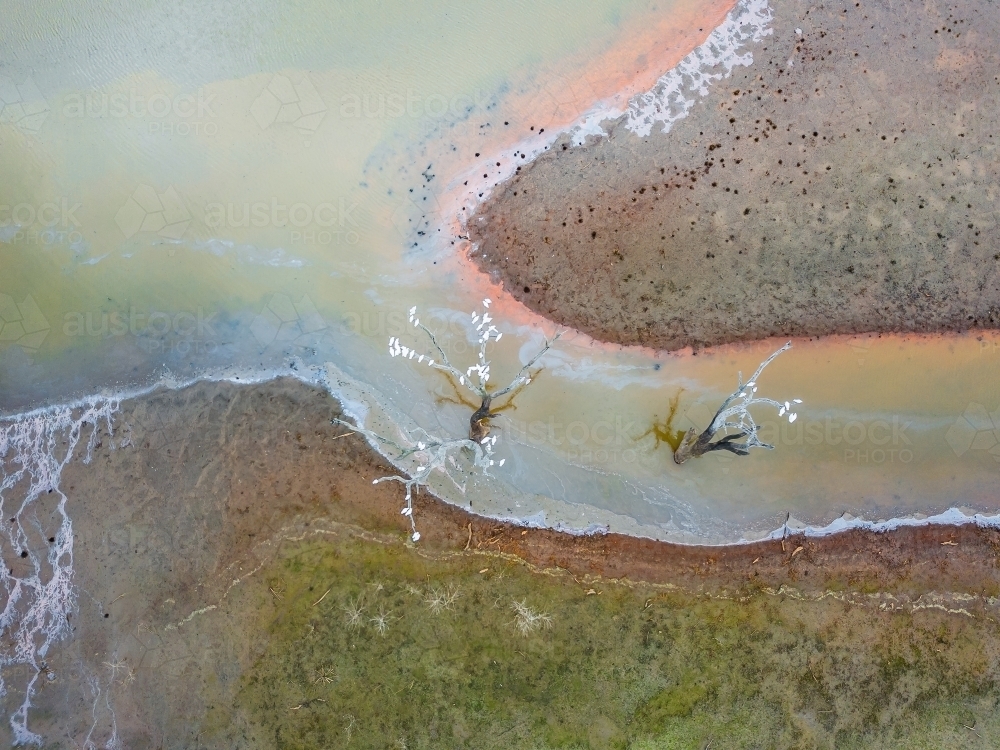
x=853, y=190
x=172, y=531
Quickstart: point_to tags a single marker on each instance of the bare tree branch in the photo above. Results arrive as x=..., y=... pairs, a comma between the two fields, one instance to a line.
x=433, y=455
x=734, y=415
x=436, y=454
x=476, y=377
x=522, y=376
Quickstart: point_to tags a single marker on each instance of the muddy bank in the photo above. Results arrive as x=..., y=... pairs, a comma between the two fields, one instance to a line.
x=244, y=460
x=178, y=531
x=844, y=182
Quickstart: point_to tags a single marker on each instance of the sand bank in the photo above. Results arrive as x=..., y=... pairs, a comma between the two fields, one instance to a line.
x=845, y=181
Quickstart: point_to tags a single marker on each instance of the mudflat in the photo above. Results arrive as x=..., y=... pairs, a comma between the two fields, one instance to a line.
x=845, y=181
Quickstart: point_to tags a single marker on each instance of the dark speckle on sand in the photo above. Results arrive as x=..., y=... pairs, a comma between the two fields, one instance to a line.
x=890, y=128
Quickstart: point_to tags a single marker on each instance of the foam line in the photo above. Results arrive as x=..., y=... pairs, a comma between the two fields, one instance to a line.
x=34, y=450
x=671, y=99
x=679, y=89
x=847, y=522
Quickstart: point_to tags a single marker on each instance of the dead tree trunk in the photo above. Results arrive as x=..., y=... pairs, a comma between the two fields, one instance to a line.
x=735, y=421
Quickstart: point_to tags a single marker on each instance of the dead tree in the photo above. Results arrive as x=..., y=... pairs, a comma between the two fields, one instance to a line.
x=734, y=421
x=476, y=377
x=438, y=454
x=432, y=454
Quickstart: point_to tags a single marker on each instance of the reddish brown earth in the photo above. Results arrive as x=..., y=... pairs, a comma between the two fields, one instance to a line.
x=845, y=182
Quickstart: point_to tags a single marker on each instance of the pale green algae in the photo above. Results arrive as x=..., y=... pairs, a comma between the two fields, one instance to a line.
x=629, y=665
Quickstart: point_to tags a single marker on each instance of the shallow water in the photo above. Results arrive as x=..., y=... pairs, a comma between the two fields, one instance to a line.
x=171, y=220
x=243, y=192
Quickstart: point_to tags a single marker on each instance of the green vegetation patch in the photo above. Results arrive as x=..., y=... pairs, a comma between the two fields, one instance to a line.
x=374, y=645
